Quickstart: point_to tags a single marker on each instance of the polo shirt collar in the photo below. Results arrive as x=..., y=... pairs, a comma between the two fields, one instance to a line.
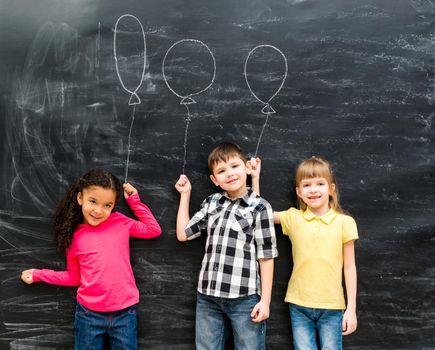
x=327, y=218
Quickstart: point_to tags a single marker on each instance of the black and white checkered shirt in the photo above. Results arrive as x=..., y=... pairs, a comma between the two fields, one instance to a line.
x=239, y=232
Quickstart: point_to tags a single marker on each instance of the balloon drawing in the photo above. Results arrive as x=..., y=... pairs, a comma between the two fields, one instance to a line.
x=125, y=63
x=186, y=96
x=267, y=108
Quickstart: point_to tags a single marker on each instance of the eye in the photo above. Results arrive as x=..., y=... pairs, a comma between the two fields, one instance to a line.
x=93, y=201
x=108, y=206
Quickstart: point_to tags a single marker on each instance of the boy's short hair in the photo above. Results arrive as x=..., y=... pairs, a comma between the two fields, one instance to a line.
x=223, y=152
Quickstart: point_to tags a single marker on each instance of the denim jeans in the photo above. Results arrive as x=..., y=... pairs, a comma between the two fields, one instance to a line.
x=212, y=314
x=91, y=328
x=306, y=322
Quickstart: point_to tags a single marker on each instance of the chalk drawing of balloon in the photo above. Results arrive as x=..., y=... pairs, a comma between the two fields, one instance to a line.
x=129, y=51
x=189, y=69
x=263, y=78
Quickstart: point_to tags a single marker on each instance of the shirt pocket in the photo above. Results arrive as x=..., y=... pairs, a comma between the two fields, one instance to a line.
x=243, y=223
x=214, y=218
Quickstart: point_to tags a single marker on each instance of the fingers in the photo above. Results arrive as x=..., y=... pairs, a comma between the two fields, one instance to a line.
x=184, y=179
x=349, y=330
x=259, y=313
x=254, y=166
x=348, y=326
x=26, y=276
x=251, y=163
x=255, y=162
x=254, y=312
x=129, y=190
x=183, y=184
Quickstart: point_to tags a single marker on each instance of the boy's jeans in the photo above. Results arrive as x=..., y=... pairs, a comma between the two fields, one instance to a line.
x=305, y=321
x=211, y=314
x=92, y=327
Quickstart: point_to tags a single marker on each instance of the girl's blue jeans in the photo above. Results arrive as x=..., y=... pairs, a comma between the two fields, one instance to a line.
x=119, y=327
x=212, y=315
x=306, y=322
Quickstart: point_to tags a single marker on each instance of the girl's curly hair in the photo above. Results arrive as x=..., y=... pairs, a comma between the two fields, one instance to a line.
x=68, y=214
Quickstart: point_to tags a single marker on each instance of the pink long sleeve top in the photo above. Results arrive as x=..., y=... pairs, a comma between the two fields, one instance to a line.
x=98, y=260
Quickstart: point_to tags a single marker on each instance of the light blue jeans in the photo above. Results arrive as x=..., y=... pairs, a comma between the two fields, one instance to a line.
x=306, y=322
x=211, y=315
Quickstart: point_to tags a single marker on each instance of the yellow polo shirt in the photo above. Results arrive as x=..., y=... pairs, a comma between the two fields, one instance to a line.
x=317, y=249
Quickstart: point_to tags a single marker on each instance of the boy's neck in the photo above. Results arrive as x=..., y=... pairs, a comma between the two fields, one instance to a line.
x=238, y=194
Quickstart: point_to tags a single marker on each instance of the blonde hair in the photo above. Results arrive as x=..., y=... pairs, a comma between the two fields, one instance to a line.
x=223, y=152
x=318, y=167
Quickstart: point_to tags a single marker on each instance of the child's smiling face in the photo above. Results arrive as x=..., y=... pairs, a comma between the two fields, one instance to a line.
x=97, y=203
x=231, y=176
x=315, y=193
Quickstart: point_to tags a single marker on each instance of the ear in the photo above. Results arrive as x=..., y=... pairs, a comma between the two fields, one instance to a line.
x=213, y=179
x=248, y=166
x=80, y=198
x=331, y=189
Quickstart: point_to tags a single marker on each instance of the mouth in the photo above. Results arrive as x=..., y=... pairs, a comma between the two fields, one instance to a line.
x=230, y=182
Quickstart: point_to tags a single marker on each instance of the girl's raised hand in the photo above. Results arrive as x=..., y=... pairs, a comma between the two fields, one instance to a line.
x=129, y=190
x=254, y=164
x=26, y=276
x=183, y=184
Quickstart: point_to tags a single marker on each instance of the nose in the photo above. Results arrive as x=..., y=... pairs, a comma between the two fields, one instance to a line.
x=313, y=188
x=98, y=210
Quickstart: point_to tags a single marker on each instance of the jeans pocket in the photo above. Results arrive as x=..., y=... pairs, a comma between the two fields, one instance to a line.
x=132, y=310
x=81, y=310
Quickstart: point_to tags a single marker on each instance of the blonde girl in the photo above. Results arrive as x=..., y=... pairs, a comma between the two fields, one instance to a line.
x=322, y=238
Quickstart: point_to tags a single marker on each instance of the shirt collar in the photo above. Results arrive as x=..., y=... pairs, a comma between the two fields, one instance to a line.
x=246, y=198
x=327, y=218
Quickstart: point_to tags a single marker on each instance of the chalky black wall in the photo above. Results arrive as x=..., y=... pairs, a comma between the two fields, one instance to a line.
x=360, y=91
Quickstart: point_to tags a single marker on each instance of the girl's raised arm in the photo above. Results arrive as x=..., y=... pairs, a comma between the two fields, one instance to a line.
x=147, y=227
x=276, y=218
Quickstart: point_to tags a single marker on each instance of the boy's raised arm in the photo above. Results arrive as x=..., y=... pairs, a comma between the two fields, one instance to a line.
x=254, y=165
x=184, y=187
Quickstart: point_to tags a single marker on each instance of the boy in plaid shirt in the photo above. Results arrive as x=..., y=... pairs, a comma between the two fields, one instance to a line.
x=240, y=248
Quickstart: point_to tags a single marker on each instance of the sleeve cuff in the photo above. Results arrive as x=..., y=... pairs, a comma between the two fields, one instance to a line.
x=133, y=199
x=35, y=275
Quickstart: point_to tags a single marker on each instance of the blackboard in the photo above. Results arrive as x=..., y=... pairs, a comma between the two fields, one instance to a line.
x=359, y=91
